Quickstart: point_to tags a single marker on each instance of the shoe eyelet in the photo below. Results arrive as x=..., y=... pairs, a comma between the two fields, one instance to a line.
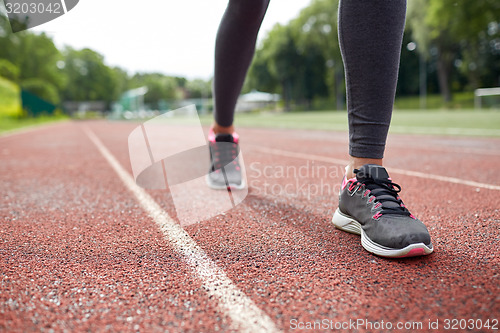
x=351, y=193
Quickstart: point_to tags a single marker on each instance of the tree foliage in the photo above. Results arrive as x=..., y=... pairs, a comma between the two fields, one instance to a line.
x=160, y=87
x=460, y=41
x=457, y=34
x=42, y=89
x=33, y=60
x=34, y=55
x=198, y=88
x=88, y=78
x=299, y=59
x=8, y=70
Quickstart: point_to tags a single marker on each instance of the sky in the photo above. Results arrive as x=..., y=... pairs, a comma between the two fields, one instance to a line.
x=170, y=37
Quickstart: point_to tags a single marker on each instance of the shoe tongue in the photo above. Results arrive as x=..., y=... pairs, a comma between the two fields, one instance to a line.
x=372, y=171
x=224, y=138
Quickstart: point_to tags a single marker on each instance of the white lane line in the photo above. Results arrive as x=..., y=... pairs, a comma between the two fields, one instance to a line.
x=320, y=158
x=245, y=315
x=445, y=179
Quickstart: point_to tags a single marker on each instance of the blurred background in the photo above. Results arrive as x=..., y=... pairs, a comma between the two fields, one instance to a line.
x=134, y=63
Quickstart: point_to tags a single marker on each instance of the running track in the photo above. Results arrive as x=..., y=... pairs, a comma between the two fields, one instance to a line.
x=84, y=249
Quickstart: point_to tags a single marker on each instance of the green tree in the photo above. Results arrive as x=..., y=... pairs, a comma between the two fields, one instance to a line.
x=8, y=70
x=301, y=60
x=280, y=52
x=259, y=77
x=480, y=61
x=451, y=29
x=35, y=55
x=42, y=89
x=160, y=87
x=123, y=80
x=315, y=30
x=89, y=79
x=199, y=89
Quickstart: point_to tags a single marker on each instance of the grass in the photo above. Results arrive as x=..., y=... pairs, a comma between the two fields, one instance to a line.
x=442, y=122
x=461, y=100
x=8, y=124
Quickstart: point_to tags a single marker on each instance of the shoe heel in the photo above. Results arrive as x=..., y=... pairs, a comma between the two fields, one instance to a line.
x=346, y=223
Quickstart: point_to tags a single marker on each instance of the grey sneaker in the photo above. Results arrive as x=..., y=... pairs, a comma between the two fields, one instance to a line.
x=370, y=206
x=225, y=169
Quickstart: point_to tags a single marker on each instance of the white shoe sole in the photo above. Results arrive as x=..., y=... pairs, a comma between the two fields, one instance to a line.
x=225, y=187
x=347, y=223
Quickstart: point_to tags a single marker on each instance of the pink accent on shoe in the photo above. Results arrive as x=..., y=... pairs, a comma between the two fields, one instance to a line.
x=377, y=205
x=346, y=181
x=236, y=137
x=377, y=216
x=366, y=193
x=413, y=216
x=413, y=253
x=211, y=135
x=371, y=199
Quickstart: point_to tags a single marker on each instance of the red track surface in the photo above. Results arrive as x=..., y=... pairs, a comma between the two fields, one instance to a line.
x=78, y=253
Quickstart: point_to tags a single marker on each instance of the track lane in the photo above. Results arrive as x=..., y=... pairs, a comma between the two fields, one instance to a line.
x=245, y=315
x=282, y=251
x=77, y=253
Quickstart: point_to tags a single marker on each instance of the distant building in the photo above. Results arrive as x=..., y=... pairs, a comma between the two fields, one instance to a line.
x=256, y=100
x=72, y=107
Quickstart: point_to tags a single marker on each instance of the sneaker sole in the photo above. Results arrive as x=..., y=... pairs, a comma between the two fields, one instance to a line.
x=226, y=186
x=349, y=224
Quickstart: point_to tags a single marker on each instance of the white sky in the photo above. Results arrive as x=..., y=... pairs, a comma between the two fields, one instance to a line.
x=170, y=37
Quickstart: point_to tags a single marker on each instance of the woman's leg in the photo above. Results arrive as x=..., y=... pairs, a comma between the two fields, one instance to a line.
x=370, y=35
x=234, y=49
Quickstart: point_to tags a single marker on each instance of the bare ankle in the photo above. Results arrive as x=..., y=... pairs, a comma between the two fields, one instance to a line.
x=218, y=129
x=358, y=162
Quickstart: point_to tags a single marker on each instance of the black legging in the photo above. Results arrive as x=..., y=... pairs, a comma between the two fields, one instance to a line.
x=370, y=35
